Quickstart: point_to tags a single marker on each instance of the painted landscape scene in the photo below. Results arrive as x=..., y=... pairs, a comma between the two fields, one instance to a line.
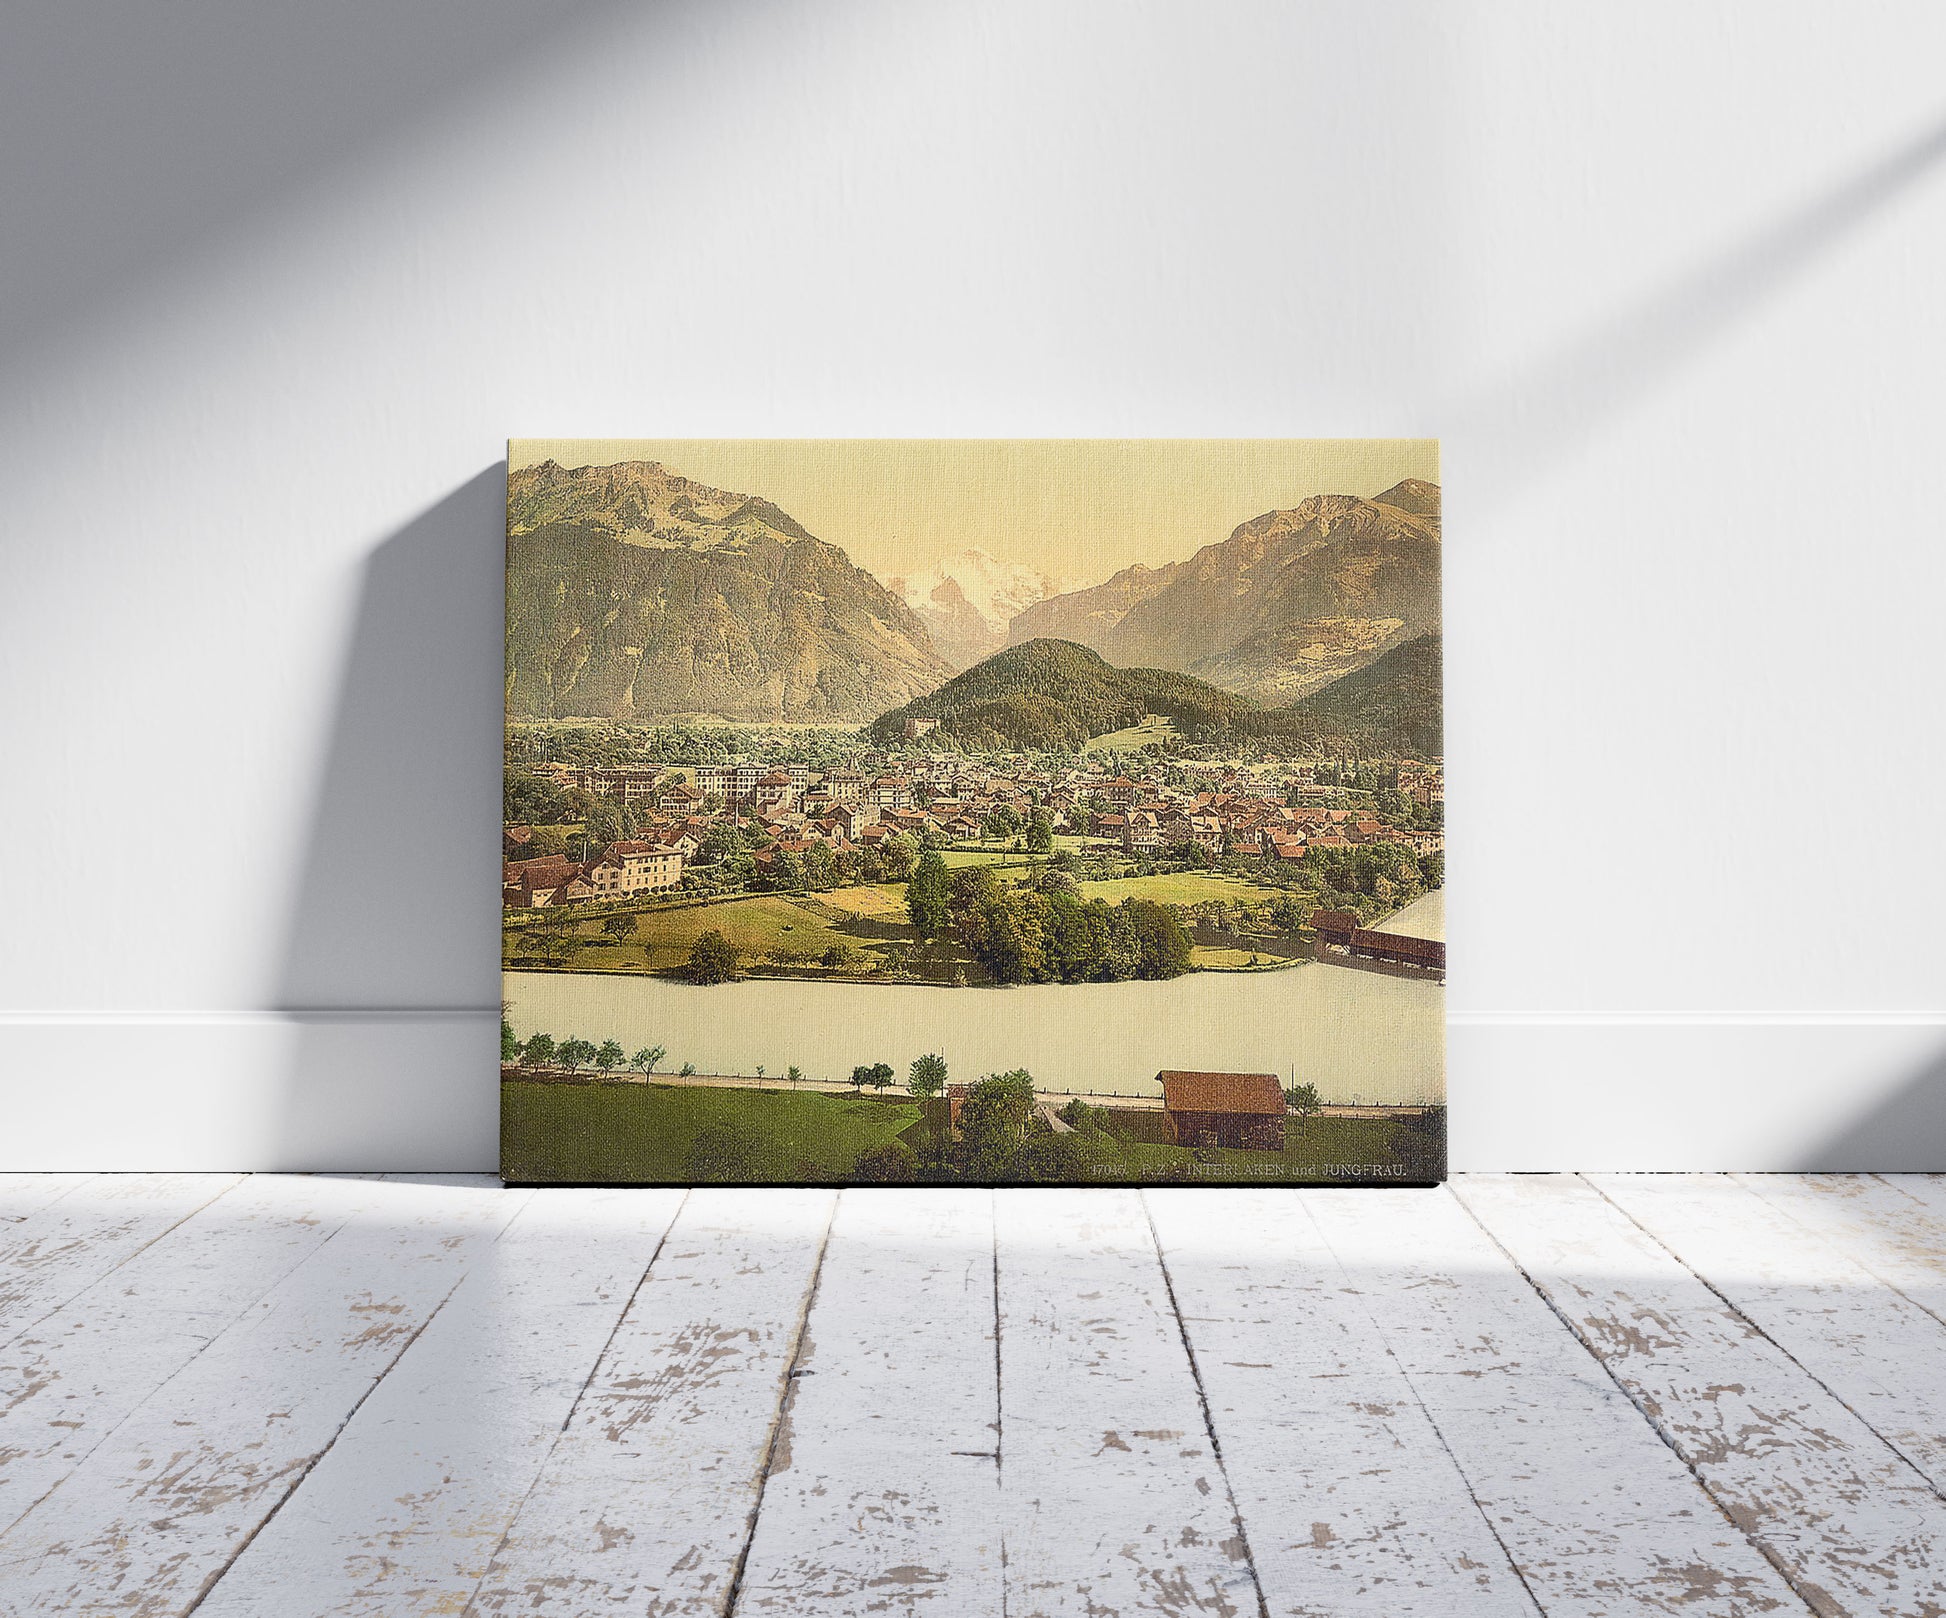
x=979, y=812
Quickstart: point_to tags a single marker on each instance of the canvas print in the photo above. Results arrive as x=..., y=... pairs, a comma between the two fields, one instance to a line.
x=973, y=812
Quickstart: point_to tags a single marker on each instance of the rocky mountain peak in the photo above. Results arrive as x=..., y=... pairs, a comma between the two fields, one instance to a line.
x=632, y=590
x=1414, y=495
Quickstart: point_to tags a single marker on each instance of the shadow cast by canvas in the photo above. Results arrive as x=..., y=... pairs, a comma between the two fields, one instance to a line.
x=391, y=953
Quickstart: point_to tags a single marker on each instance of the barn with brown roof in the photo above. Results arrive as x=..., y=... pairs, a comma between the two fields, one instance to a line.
x=1244, y=1111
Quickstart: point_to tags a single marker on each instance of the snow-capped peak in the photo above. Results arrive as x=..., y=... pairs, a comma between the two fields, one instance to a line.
x=996, y=590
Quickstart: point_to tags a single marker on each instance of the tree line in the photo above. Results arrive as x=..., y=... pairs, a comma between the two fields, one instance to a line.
x=542, y=1050
x=1045, y=932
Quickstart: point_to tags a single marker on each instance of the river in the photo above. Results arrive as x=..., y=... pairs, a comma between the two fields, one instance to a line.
x=1357, y=1035
x=1425, y=917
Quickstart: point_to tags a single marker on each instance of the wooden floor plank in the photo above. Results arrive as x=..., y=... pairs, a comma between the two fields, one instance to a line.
x=1929, y=1189
x=73, y=1377
x=67, y=1244
x=403, y=1514
x=148, y=1521
x=23, y=1194
x=884, y=1492
x=1894, y=1224
x=1355, y=1403
x=645, y=1504
x=1350, y=1500
x=1112, y=1498
x=1875, y=1350
x=1852, y=1524
x=1597, y=1513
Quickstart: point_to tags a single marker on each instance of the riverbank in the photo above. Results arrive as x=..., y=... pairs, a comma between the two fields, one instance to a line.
x=1362, y=1038
x=894, y=1092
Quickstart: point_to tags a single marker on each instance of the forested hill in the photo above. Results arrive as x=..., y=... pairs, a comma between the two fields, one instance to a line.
x=1391, y=708
x=1055, y=695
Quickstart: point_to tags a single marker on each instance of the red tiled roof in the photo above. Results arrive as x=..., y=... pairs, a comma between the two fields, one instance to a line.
x=1258, y=1093
x=544, y=871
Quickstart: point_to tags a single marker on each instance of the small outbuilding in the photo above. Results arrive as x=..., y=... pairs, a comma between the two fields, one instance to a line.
x=1243, y=1111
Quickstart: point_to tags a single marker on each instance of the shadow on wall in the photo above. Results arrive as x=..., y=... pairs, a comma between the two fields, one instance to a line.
x=1548, y=411
x=1904, y=1133
x=144, y=137
x=391, y=961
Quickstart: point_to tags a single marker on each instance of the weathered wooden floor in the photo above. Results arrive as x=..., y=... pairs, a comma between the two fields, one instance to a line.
x=284, y=1396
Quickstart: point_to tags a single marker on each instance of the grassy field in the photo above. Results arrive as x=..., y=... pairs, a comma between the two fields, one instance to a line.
x=646, y=1133
x=869, y=922
x=1178, y=888
x=1128, y=741
x=1211, y=955
x=754, y=923
x=882, y=901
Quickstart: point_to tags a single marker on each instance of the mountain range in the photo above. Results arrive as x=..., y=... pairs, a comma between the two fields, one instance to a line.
x=1289, y=602
x=1393, y=707
x=1055, y=695
x=634, y=591
x=968, y=599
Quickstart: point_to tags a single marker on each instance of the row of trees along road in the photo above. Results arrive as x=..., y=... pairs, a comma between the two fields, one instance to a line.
x=575, y=1053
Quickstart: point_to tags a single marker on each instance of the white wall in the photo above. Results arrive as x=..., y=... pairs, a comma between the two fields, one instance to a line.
x=279, y=281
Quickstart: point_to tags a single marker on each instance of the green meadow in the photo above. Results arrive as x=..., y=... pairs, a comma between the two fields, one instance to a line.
x=672, y=1134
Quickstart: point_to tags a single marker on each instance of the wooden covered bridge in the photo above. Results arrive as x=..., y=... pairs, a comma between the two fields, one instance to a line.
x=1340, y=929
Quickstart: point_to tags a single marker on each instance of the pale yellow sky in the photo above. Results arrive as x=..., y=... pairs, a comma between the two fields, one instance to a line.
x=1077, y=509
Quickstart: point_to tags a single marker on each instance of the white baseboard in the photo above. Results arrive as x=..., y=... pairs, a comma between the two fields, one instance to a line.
x=1688, y=1093
x=418, y=1090
x=251, y=1090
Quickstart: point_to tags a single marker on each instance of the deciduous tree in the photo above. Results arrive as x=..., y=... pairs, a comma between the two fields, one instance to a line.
x=993, y=1122
x=1304, y=1101
x=928, y=895
x=714, y=959
x=927, y=1076
x=1040, y=834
